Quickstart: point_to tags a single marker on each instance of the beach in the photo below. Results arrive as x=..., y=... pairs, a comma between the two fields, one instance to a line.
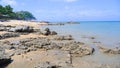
x=39, y=45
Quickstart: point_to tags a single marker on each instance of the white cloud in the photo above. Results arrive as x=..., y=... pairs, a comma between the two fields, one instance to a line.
x=8, y=2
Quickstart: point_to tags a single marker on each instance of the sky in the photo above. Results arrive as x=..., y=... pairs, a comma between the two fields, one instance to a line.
x=69, y=10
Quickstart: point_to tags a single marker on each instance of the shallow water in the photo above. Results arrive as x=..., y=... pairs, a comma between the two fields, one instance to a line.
x=106, y=32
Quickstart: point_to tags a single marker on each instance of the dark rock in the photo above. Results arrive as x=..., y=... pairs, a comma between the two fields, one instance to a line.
x=47, y=29
x=92, y=37
x=53, y=33
x=46, y=33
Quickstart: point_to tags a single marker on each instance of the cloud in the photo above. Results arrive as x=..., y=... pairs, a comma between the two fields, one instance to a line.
x=8, y=2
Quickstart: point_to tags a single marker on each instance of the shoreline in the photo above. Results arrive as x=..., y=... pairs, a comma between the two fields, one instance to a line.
x=46, y=37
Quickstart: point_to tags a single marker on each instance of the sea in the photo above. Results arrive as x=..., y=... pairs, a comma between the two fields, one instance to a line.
x=107, y=33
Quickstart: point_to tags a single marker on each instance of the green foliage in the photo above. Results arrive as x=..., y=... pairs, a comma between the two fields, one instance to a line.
x=7, y=10
x=7, y=13
x=24, y=15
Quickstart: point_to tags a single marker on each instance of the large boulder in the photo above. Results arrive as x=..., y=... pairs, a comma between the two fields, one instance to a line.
x=47, y=29
x=47, y=32
x=21, y=29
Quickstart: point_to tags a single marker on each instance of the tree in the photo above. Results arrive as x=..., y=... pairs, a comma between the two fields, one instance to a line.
x=24, y=15
x=6, y=12
x=1, y=10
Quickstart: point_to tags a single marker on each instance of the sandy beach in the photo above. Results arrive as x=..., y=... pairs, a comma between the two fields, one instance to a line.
x=21, y=22
x=38, y=48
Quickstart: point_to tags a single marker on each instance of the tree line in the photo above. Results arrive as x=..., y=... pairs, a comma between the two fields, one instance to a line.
x=6, y=12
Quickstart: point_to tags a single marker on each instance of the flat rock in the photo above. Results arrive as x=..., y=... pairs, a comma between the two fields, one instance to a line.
x=68, y=37
x=78, y=49
x=106, y=50
x=8, y=35
x=21, y=29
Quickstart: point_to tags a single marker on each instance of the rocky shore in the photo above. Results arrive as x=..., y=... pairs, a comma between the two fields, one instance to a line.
x=47, y=49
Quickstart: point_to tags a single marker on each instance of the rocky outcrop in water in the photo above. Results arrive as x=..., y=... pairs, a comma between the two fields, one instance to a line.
x=78, y=49
x=32, y=44
x=68, y=37
x=104, y=49
x=47, y=32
